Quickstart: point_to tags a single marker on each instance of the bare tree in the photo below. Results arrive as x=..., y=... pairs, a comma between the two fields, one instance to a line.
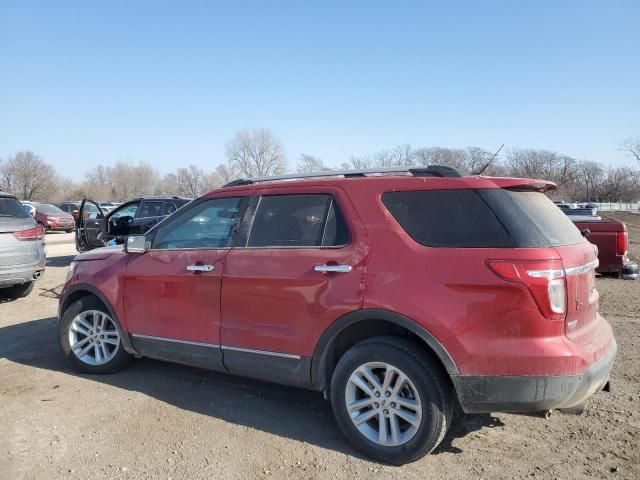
x=310, y=163
x=256, y=153
x=131, y=181
x=632, y=147
x=225, y=173
x=590, y=177
x=29, y=177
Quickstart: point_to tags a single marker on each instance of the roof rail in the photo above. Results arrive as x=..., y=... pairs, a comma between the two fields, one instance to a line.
x=430, y=171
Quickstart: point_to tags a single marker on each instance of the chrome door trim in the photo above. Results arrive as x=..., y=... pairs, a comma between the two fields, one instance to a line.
x=175, y=340
x=261, y=352
x=582, y=268
x=214, y=345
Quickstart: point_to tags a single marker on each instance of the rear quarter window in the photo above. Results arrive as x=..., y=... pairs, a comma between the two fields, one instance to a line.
x=447, y=218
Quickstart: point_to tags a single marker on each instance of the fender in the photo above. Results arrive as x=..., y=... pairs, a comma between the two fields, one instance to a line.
x=318, y=363
x=85, y=287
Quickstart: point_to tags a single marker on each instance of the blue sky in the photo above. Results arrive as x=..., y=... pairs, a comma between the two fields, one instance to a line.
x=83, y=83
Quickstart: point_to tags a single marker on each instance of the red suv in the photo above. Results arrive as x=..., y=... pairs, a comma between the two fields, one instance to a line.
x=397, y=292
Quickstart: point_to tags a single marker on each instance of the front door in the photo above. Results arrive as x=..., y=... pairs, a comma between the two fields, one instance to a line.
x=172, y=292
x=300, y=266
x=91, y=227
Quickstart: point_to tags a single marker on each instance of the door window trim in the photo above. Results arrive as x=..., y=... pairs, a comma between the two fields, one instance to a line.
x=244, y=231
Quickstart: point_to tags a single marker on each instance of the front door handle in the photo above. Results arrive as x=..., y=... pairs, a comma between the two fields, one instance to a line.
x=199, y=268
x=333, y=268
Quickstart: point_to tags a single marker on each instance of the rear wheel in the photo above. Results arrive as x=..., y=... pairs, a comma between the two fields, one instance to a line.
x=68, y=230
x=17, y=291
x=391, y=400
x=91, y=338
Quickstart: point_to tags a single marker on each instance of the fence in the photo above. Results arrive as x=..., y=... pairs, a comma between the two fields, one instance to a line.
x=627, y=207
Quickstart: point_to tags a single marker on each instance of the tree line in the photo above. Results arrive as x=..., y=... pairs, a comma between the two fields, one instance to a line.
x=258, y=152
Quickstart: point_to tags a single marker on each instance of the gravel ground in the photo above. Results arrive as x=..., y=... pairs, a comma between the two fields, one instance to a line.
x=157, y=420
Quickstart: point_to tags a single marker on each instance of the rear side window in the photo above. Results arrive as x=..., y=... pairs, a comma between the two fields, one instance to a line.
x=532, y=219
x=306, y=220
x=10, y=207
x=447, y=218
x=169, y=208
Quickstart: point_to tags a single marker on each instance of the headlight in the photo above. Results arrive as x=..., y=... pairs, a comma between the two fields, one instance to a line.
x=72, y=267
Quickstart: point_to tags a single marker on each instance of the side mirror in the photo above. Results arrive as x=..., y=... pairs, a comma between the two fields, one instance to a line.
x=136, y=244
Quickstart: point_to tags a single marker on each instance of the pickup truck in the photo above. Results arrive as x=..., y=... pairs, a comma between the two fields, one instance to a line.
x=612, y=240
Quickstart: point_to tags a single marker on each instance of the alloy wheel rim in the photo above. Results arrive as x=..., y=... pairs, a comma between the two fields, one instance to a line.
x=94, y=337
x=383, y=404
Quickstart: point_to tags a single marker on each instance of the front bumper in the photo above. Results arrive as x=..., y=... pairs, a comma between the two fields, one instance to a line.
x=484, y=394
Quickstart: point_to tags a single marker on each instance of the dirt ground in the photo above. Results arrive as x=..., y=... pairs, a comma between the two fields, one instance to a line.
x=164, y=421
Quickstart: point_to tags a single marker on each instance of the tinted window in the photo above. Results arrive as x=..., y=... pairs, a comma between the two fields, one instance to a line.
x=151, y=209
x=210, y=224
x=297, y=221
x=10, y=207
x=169, y=208
x=447, y=218
x=532, y=218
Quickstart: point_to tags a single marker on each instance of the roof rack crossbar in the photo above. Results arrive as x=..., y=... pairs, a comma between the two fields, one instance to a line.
x=430, y=171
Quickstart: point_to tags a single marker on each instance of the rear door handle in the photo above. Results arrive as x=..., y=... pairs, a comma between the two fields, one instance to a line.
x=199, y=268
x=333, y=268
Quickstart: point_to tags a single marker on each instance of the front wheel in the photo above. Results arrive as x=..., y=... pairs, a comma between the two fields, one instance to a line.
x=91, y=338
x=391, y=400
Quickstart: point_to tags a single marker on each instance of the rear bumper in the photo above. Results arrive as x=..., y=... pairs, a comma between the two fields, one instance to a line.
x=630, y=271
x=483, y=394
x=8, y=279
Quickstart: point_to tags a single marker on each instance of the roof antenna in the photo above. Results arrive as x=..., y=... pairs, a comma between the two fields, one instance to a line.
x=489, y=162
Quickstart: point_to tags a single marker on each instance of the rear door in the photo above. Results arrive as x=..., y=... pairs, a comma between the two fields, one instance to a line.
x=298, y=267
x=149, y=213
x=91, y=228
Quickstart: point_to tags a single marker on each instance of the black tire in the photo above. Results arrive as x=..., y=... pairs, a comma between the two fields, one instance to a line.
x=431, y=383
x=120, y=360
x=68, y=231
x=18, y=291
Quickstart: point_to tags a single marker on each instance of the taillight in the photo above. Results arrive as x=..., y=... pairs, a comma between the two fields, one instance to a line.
x=545, y=280
x=622, y=243
x=36, y=233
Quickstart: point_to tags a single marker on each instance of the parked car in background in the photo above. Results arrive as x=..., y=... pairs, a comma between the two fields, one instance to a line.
x=22, y=252
x=397, y=292
x=134, y=217
x=53, y=218
x=73, y=208
x=612, y=239
x=29, y=207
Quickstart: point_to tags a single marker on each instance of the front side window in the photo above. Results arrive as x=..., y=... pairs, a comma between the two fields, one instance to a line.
x=128, y=211
x=305, y=220
x=211, y=224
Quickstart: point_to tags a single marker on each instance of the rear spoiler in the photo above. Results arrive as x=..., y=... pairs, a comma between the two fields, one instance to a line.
x=524, y=184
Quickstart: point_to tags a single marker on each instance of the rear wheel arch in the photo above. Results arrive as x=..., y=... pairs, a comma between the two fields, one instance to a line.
x=84, y=290
x=360, y=325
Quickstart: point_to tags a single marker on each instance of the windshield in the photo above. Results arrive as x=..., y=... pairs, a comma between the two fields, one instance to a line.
x=48, y=209
x=10, y=207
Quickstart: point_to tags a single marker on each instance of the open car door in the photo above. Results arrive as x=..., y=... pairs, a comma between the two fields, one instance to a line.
x=91, y=228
